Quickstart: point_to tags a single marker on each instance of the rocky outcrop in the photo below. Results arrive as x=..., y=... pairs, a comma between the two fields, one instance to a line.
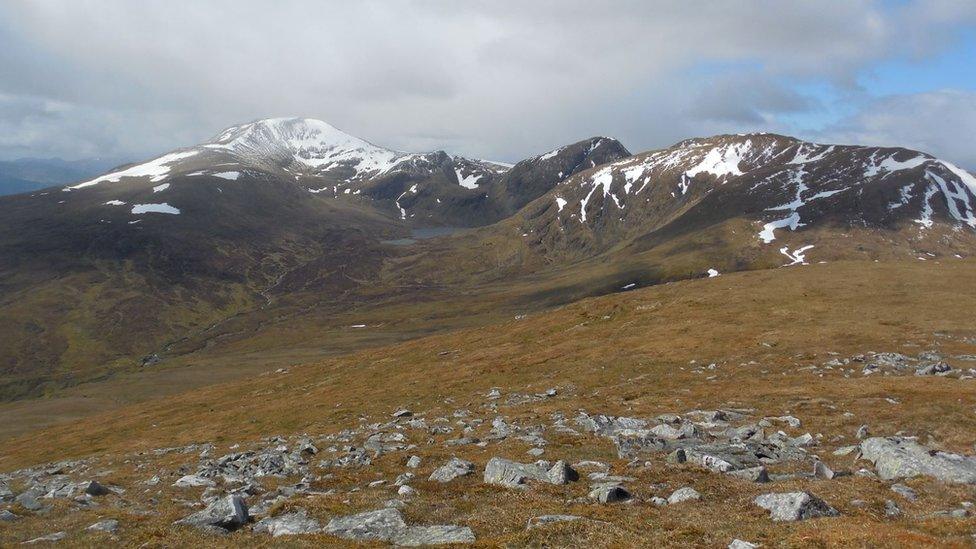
x=897, y=457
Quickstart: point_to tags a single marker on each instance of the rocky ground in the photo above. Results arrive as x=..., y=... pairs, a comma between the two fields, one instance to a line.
x=688, y=431
x=277, y=487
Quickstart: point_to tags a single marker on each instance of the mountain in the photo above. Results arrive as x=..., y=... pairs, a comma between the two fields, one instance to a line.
x=777, y=190
x=281, y=232
x=30, y=174
x=111, y=269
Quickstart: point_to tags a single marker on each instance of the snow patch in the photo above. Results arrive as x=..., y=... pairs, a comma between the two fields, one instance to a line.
x=721, y=161
x=560, y=203
x=230, y=176
x=163, y=208
x=115, y=203
x=792, y=221
x=797, y=256
x=712, y=273
x=155, y=170
x=469, y=182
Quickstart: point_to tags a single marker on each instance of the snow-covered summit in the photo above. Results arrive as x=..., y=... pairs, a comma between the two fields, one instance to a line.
x=313, y=144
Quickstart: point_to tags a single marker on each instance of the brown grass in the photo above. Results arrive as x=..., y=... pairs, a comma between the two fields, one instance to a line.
x=623, y=354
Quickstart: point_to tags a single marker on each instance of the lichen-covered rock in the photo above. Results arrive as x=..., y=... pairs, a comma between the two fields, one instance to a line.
x=109, y=526
x=290, y=524
x=388, y=525
x=417, y=536
x=451, y=470
x=227, y=513
x=897, y=458
x=536, y=522
x=793, y=506
x=684, y=494
x=512, y=474
x=609, y=493
x=381, y=524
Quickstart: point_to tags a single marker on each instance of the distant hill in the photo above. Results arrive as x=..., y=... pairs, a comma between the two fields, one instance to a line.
x=30, y=174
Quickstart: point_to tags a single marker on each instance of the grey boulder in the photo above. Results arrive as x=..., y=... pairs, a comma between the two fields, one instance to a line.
x=451, y=470
x=382, y=524
x=515, y=475
x=290, y=524
x=227, y=513
x=609, y=493
x=55, y=537
x=109, y=526
x=388, y=525
x=684, y=494
x=417, y=536
x=536, y=522
x=792, y=506
x=897, y=458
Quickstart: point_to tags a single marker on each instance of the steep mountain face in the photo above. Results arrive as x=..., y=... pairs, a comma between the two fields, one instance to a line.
x=778, y=186
x=533, y=177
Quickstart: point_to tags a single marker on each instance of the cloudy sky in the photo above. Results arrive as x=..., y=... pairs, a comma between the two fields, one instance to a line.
x=496, y=79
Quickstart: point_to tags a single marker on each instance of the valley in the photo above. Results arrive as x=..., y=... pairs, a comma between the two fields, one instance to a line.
x=286, y=326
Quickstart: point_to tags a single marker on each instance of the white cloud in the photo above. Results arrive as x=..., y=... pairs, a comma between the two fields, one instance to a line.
x=502, y=79
x=941, y=122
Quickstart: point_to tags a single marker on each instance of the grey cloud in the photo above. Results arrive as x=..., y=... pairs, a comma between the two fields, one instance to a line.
x=747, y=98
x=499, y=79
x=941, y=122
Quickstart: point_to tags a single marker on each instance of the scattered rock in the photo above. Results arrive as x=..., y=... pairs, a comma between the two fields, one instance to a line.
x=192, y=481
x=382, y=524
x=109, y=526
x=683, y=494
x=406, y=491
x=752, y=474
x=402, y=413
x=891, y=509
x=739, y=544
x=897, y=457
x=904, y=491
x=55, y=537
x=7, y=516
x=388, y=525
x=227, y=513
x=94, y=488
x=821, y=470
x=536, y=522
x=28, y=500
x=414, y=462
x=451, y=470
x=793, y=506
x=862, y=432
x=932, y=369
x=294, y=523
x=562, y=473
x=677, y=456
x=512, y=474
x=416, y=536
x=609, y=493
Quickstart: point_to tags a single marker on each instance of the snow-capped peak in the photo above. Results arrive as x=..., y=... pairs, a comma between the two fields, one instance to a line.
x=315, y=144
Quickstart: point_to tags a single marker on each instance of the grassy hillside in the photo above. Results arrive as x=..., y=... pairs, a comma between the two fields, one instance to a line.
x=638, y=354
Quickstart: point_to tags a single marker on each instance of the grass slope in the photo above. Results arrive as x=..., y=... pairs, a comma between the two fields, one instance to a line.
x=625, y=354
